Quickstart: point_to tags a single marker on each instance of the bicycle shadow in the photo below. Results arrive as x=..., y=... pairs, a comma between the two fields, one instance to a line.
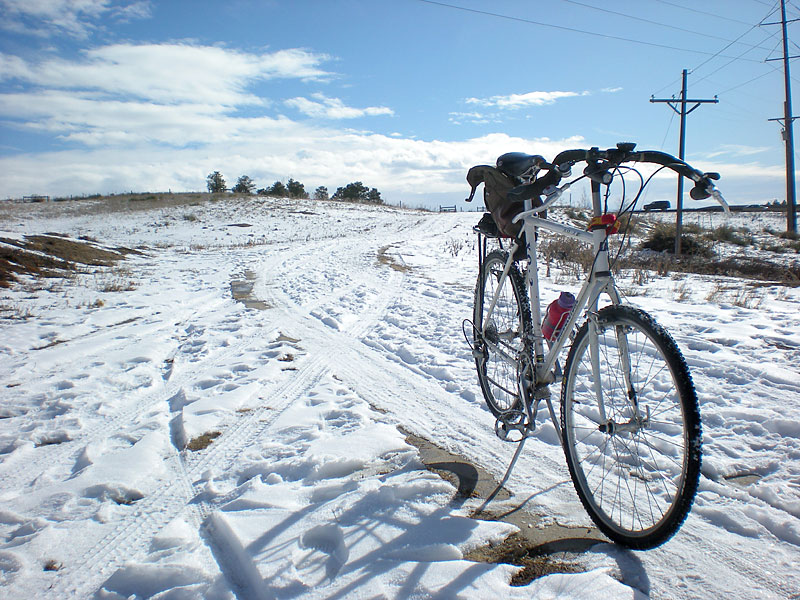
x=366, y=541
x=564, y=545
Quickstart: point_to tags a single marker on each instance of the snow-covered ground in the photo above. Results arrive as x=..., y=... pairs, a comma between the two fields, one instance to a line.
x=160, y=438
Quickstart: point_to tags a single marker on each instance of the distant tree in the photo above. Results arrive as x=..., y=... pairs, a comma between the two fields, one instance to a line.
x=296, y=189
x=278, y=189
x=244, y=185
x=358, y=192
x=354, y=192
x=321, y=193
x=216, y=183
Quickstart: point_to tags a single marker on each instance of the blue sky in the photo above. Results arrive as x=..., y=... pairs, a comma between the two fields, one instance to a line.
x=102, y=96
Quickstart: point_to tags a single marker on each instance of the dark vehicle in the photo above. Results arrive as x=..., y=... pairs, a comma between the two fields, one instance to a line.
x=657, y=205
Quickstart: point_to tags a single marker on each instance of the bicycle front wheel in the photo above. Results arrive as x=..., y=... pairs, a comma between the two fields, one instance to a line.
x=499, y=337
x=631, y=427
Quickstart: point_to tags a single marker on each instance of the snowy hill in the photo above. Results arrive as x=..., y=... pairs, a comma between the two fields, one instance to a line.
x=223, y=411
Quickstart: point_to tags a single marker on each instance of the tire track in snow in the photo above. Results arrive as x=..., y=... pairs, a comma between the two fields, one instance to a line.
x=58, y=454
x=384, y=382
x=25, y=467
x=183, y=490
x=738, y=562
x=187, y=489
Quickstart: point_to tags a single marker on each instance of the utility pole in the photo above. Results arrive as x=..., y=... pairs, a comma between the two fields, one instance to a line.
x=788, y=135
x=673, y=104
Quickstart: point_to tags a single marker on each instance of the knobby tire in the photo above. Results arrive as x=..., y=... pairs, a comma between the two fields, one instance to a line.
x=637, y=483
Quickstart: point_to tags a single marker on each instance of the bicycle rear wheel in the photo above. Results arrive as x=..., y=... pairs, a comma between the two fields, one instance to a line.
x=504, y=334
x=636, y=472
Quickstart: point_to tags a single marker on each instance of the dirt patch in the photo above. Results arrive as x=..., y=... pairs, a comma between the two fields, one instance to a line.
x=540, y=547
x=285, y=338
x=743, y=480
x=202, y=442
x=390, y=261
x=516, y=550
x=52, y=255
x=242, y=291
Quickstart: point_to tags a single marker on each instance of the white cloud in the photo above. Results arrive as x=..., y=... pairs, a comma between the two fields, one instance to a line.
x=514, y=101
x=163, y=116
x=136, y=10
x=167, y=73
x=333, y=108
x=738, y=150
x=266, y=150
x=403, y=169
x=76, y=18
x=84, y=119
x=457, y=118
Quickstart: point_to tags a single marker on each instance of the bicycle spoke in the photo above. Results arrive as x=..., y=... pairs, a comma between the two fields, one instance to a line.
x=501, y=318
x=632, y=480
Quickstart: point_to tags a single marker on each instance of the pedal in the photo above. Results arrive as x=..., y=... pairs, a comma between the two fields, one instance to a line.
x=512, y=426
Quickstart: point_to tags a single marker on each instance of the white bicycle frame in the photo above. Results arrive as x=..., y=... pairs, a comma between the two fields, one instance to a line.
x=599, y=280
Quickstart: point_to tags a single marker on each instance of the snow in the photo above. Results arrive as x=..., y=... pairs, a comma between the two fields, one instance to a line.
x=345, y=333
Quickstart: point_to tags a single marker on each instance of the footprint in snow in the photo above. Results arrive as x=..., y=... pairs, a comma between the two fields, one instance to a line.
x=331, y=322
x=343, y=421
x=10, y=567
x=206, y=384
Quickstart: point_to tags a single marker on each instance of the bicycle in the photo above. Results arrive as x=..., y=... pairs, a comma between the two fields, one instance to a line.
x=629, y=421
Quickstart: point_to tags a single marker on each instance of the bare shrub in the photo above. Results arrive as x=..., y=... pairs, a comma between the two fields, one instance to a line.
x=738, y=236
x=747, y=296
x=453, y=246
x=662, y=239
x=683, y=291
x=573, y=257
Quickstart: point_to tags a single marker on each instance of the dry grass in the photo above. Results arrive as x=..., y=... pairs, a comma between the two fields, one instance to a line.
x=52, y=255
x=745, y=267
x=52, y=565
x=747, y=296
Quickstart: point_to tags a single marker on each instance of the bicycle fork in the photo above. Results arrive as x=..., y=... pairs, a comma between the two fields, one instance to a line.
x=637, y=420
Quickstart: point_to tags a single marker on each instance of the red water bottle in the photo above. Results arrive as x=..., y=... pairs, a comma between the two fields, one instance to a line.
x=557, y=315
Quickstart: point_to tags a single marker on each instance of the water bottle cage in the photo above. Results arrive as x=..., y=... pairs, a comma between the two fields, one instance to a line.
x=608, y=222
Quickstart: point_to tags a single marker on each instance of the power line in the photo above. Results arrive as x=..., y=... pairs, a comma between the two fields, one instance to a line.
x=722, y=67
x=719, y=53
x=705, y=34
x=669, y=127
x=701, y=12
x=747, y=82
x=570, y=29
x=728, y=46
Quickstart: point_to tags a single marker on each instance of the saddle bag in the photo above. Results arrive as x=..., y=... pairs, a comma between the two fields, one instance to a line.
x=496, y=186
